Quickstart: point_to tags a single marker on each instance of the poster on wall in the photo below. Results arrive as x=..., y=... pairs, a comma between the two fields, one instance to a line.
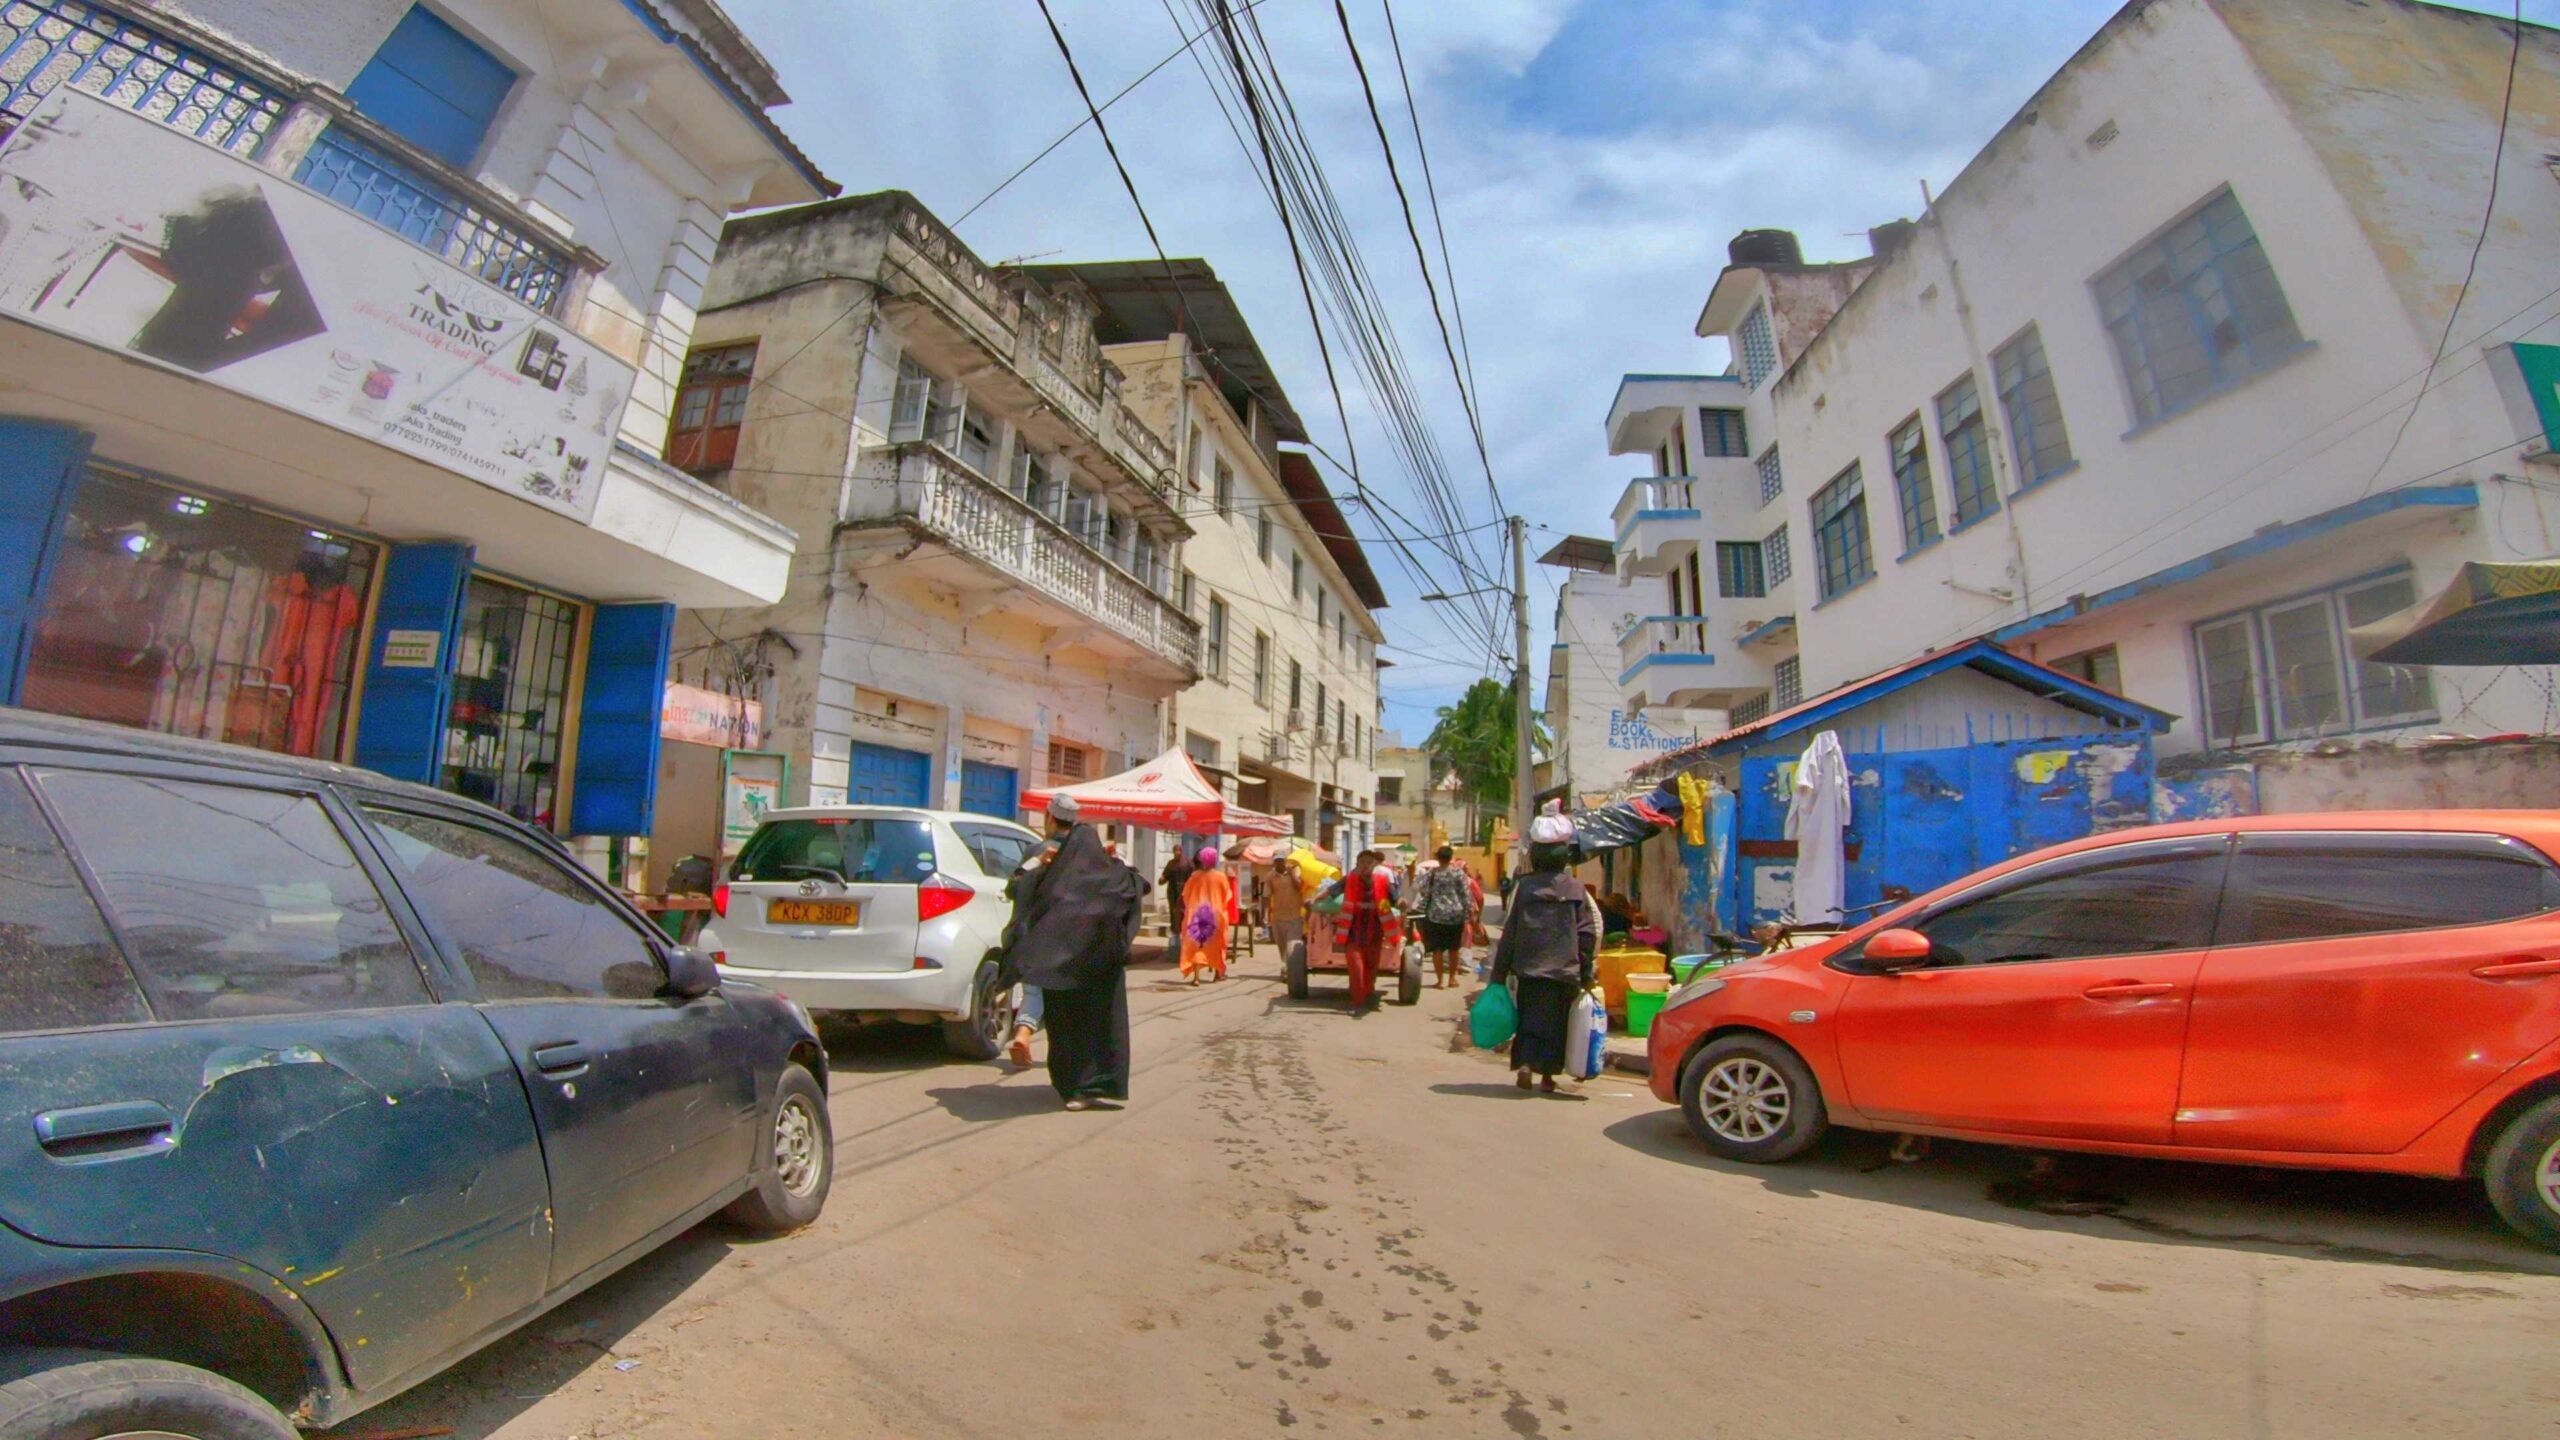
x=119, y=230
x=750, y=785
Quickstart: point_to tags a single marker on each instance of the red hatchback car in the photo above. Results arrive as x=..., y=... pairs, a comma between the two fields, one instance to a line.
x=2352, y=991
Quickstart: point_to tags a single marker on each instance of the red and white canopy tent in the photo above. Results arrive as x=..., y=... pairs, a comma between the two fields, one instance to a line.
x=1166, y=793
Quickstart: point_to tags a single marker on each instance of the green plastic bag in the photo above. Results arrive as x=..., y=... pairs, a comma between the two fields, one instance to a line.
x=1493, y=1019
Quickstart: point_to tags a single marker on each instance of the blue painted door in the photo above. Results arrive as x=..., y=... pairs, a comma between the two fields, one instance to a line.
x=883, y=775
x=989, y=789
x=40, y=465
x=626, y=687
x=433, y=86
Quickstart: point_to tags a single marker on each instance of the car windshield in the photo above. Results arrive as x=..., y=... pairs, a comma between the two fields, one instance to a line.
x=858, y=850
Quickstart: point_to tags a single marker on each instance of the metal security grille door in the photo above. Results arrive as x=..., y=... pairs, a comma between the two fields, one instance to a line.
x=989, y=789
x=885, y=776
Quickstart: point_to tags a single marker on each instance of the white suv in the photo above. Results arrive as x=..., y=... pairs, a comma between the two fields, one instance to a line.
x=877, y=908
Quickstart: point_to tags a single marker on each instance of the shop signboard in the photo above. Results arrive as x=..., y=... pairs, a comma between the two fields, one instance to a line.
x=118, y=230
x=707, y=717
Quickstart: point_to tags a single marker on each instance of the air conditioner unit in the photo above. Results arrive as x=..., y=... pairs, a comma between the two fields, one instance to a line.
x=1296, y=722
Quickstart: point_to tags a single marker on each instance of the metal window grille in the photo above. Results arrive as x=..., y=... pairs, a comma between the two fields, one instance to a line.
x=1755, y=708
x=1720, y=434
x=1790, y=690
x=2038, y=441
x=1775, y=561
x=2195, y=310
x=1759, y=347
x=1771, y=485
x=1968, y=452
x=1840, y=544
x=1912, y=488
x=352, y=171
x=48, y=44
x=1738, y=570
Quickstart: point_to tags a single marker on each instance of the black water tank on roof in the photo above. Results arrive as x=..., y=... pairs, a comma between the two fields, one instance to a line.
x=1765, y=247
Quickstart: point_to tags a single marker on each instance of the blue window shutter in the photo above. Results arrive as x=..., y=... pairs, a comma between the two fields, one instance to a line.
x=617, y=780
x=433, y=87
x=40, y=465
x=400, y=730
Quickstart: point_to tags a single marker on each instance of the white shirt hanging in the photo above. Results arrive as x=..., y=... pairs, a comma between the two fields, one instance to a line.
x=1816, y=817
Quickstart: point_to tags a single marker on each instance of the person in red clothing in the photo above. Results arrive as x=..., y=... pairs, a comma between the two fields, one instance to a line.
x=1368, y=893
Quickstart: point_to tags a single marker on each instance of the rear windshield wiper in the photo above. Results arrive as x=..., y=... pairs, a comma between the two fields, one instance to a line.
x=818, y=870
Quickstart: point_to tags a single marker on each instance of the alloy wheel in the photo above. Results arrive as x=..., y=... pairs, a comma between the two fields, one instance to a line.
x=799, y=1156
x=995, y=1014
x=1745, y=1100
x=2546, y=1176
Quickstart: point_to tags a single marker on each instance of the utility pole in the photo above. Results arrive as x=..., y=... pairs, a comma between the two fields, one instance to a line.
x=1523, y=783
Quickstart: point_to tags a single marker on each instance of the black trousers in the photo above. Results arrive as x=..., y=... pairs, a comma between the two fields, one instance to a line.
x=1544, y=1011
x=1089, y=1040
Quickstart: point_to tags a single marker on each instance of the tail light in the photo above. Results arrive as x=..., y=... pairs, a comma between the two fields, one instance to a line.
x=720, y=900
x=941, y=895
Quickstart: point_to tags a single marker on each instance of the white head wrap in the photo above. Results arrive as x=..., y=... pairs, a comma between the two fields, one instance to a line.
x=1551, y=830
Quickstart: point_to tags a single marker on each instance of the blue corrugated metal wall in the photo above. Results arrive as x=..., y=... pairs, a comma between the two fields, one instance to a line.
x=1922, y=818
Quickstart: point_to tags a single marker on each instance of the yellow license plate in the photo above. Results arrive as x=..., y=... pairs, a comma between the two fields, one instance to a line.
x=813, y=912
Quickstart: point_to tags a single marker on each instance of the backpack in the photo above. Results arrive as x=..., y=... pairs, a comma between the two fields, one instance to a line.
x=1444, y=897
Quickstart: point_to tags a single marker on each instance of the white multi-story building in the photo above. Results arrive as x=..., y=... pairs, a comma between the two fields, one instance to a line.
x=1286, y=708
x=341, y=337
x=2140, y=395
x=1593, y=737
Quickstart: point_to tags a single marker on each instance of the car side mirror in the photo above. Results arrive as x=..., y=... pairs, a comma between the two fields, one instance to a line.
x=690, y=974
x=1890, y=952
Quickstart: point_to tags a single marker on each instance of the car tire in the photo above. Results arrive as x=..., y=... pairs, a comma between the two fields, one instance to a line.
x=1750, y=1098
x=2522, y=1173
x=75, y=1394
x=795, y=1160
x=1297, y=968
x=981, y=1034
x=1409, y=978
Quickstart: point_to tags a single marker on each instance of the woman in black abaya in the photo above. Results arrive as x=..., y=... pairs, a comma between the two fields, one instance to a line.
x=1073, y=925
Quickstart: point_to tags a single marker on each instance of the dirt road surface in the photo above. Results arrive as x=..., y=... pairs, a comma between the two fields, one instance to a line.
x=1308, y=1223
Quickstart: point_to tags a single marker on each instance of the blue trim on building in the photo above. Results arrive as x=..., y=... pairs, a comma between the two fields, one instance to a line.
x=2462, y=495
x=41, y=462
x=1766, y=628
x=1632, y=671
x=1642, y=516
x=400, y=728
x=1979, y=655
x=657, y=25
x=618, y=711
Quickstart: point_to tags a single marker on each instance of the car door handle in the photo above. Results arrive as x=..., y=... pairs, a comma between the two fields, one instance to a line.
x=96, y=1129
x=560, y=1058
x=2522, y=967
x=2130, y=990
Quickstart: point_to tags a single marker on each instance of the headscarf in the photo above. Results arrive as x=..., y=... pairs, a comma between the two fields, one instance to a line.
x=1076, y=918
x=1208, y=857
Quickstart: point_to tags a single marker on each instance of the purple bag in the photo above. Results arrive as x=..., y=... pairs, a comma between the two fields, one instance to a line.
x=1203, y=925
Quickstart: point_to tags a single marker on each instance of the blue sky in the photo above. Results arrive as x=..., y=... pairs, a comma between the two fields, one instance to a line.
x=1592, y=159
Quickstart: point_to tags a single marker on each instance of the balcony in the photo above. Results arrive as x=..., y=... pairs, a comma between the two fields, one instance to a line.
x=1658, y=527
x=988, y=330
x=1676, y=662
x=284, y=126
x=1001, y=554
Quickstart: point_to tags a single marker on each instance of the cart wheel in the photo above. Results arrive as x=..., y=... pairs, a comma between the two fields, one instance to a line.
x=1297, y=962
x=1409, y=979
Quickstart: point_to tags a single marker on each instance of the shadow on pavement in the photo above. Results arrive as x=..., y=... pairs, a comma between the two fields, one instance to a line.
x=2305, y=1214
x=983, y=1104
x=577, y=1341
x=1487, y=1090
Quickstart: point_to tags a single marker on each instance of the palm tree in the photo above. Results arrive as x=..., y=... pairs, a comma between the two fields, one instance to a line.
x=1478, y=737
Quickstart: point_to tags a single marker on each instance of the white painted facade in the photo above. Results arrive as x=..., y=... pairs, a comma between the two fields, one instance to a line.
x=2201, y=552
x=986, y=569
x=1287, y=699
x=1594, y=738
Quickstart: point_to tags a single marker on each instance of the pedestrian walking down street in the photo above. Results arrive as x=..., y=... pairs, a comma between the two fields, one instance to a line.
x=1208, y=906
x=1287, y=899
x=1073, y=927
x=1549, y=938
x=1448, y=899
x=1368, y=893
x=1176, y=877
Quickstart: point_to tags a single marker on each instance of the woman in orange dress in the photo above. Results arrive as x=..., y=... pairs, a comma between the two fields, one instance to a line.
x=1208, y=910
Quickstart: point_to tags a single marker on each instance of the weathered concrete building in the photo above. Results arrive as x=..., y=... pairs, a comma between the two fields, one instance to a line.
x=1286, y=709
x=2151, y=393
x=1594, y=738
x=984, y=598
